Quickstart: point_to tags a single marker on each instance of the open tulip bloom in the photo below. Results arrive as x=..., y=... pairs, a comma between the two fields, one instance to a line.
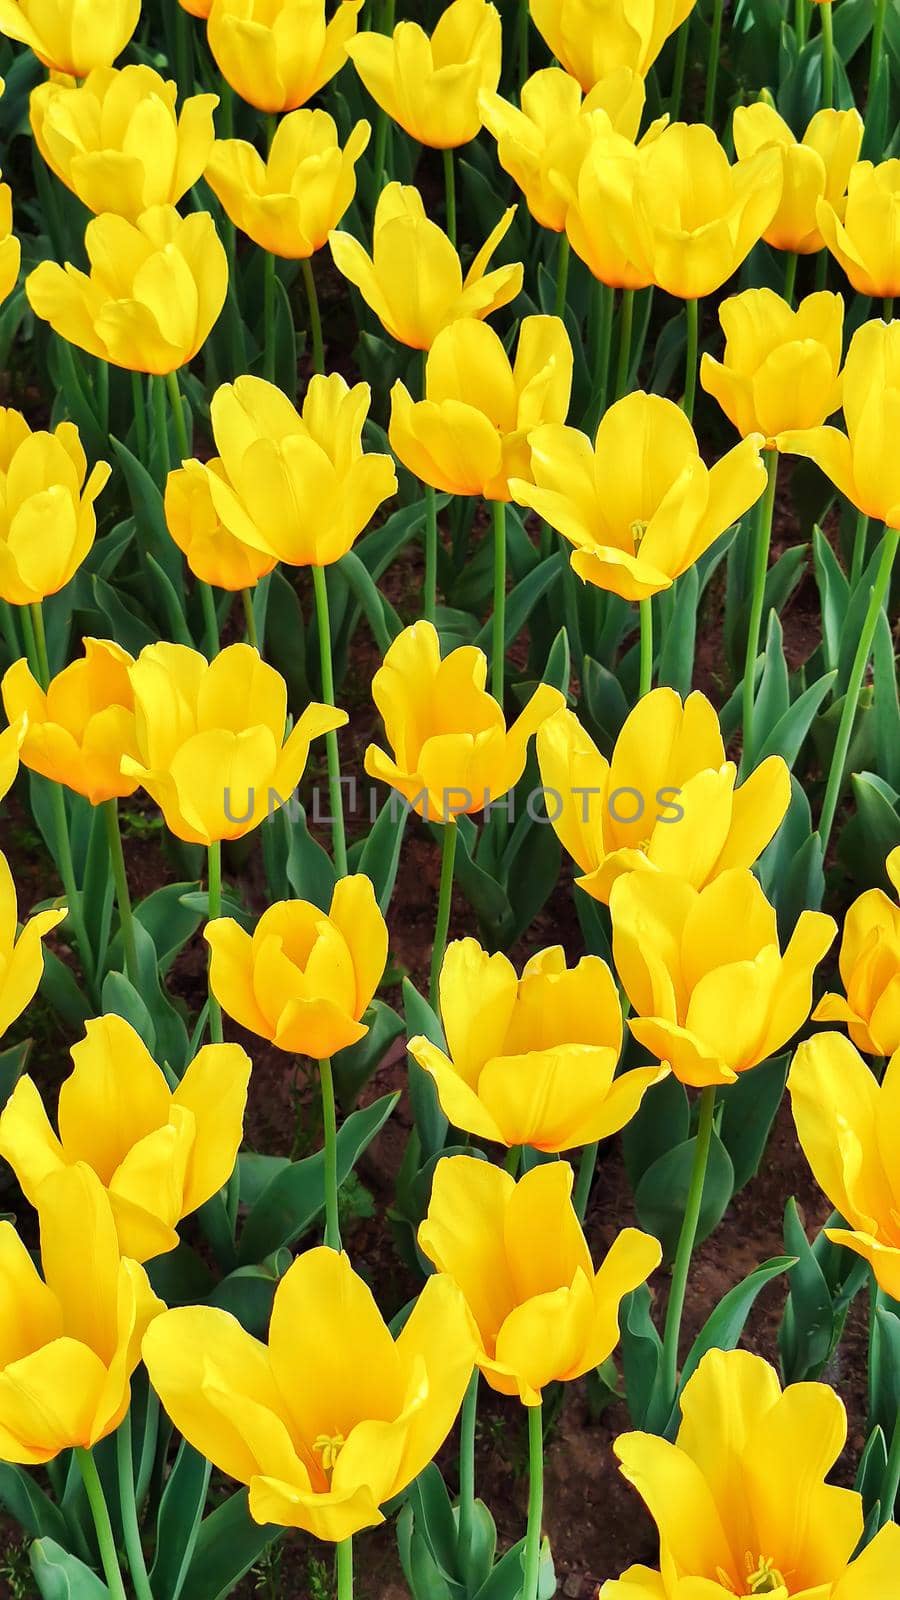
x=71, y=36
x=870, y=970
x=277, y=54
x=431, y=86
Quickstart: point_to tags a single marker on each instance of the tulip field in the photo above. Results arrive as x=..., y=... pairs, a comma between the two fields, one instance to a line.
x=450, y=790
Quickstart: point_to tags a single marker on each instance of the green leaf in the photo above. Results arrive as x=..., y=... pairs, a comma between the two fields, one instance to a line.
x=180, y=1513
x=884, y=1368
x=310, y=869
x=354, y=1066
x=676, y=658
x=228, y=1544
x=641, y=1348
x=806, y=1335
x=431, y=1123
x=380, y=855
x=788, y=734
x=147, y=505
x=61, y=1576
x=29, y=1506
x=749, y=1108
x=521, y=601
x=378, y=611
x=661, y=1195
x=661, y=1122
x=12, y=1065
x=248, y=1292
x=724, y=1327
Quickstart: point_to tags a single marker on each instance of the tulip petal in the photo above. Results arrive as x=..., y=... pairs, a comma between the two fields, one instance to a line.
x=214, y=1090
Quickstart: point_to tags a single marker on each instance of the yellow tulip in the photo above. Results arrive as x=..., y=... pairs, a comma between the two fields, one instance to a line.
x=544, y=1314
x=741, y=1500
x=863, y=463
x=870, y=971
x=452, y=750
x=11, y=741
x=430, y=86
x=531, y=1060
x=847, y=1124
x=471, y=432
x=304, y=978
x=371, y=1411
x=72, y=1339
x=47, y=518
x=413, y=279
x=862, y=231
x=21, y=958
x=196, y=8
x=295, y=487
x=79, y=730
x=590, y=222
x=71, y=36
x=10, y=248
x=591, y=38
x=543, y=145
x=813, y=168
x=780, y=367
x=213, y=554
x=118, y=142
x=277, y=54
x=153, y=293
x=639, y=505
x=289, y=204
x=667, y=801
x=158, y=1154
x=680, y=214
x=712, y=993
x=211, y=739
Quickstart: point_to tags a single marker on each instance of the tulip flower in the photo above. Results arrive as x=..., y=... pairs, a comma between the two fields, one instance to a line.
x=862, y=229
x=71, y=36
x=292, y=486
x=21, y=958
x=213, y=554
x=72, y=1339
x=304, y=978
x=531, y=1060
x=80, y=728
x=196, y=8
x=667, y=801
x=741, y=1499
x=815, y=167
x=158, y=1154
x=471, y=432
x=781, y=367
x=846, y=1122
x=371, y=1412
x=276, y=54
x=153, y=293
x=712, y=993
x=452, y=751
x=211, y=739
x=543, y=145
x=413, y=280
x=431, y=86
x=289, y=204
x=591, y=225
x=10, y=248
x=870, y=970
x=11, y=740
x=47, y=518
x=591, y=38
x=640, y=506
x=544, y=1313
x=118, y=142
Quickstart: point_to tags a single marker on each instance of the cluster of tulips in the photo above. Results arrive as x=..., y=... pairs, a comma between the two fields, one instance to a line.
x=546, y=504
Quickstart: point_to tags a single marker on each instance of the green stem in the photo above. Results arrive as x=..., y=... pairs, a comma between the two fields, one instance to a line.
x=140, y=412
x=42, y=660
x=315, y=320
x=161, y=425
x=586, y=1168
x=450, y=192
x=120, y=879
x=130, y=1526
x=858, y=559
x=382, y=121
x=532, y=1559
x=249, y=618
x=214, y=893
x=329, y=1123
x=338, y=835
x=888, y=308
x=511, y=1159
x=801, y=22
x=445, y=897
x=604, y=301
x=498, y=631
x=562, y=274
x=681, y=50
x=102, y=393
x=827, y=55
x=524, y=11
x=790, y=276
x=184, y=55
x=686, y=1241
x=624, y=361
x=344, y=1563
x=890, y=1483
x=177, y=404
x=876, y=59
x=269, y=316
x=100, y=1513
x=467, y=1422
x=646, y=683
x=762, y=537
x=210, y=619
x=692, y=317
x=712, y=63
x=857, y=672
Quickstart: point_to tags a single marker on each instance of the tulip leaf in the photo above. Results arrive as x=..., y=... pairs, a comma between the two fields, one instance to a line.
x=12, y=1065
x=661, y=1195
x=676, y=659
x=378, y=611
x=169, y=921
x=420, y=1567
x=886, y=704
x=61, y=1576
x=884, y=1365
x=180, y=1512
x=806, y=1335
x=354, y=1066
x=147, y=505
x=505, y=1582
x=247, y=1292
x=309, y=869
x=724, y=1327
x=379, y=857
x=749, y=1108
x=522, y=600
x=661, y=1122
x=873, y=832
x=430, y=1121
x=29, y=1506
x=788, y=734
x=641, y=1350
x=228, y=1544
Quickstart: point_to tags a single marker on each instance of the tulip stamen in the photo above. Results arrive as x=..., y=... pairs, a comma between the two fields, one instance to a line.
x=764, y=1578
x=329, y=1447
x=637, y=530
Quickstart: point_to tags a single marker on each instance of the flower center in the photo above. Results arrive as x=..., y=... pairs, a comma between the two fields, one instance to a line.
x=763, y=1577
x=328, y=1447
x=637, y=531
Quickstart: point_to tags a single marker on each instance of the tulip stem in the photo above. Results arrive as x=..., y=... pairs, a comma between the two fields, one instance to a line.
x=712, y=65
x=329, y=1124
x=338, y=836
x=315, y=320
x=161, y=425
x=130, y=1526
x=498, y=636
x=123, y=898
x=801, y=21
x=344, y=1563
x=857, y=672
x=269, y=316
x=249, y=618
x=450, y=194
x=858, y=559
x=790, y=276
x=681, y=50
x=623, y=365
x=586, y=1168
x=210, y=619
x=890, y=1483
x=888, y=308
x=562, y=274
x=214, y=905
x=692, y=318
x=140, y=414
x=604, y=302
x=445, y=896
x=827, y=55
x=100, y=1513
x=467, y=1422
x=177, y=404
x=532, y=1558
x=686, y=1241
x=762, y=539
x=646, y=683
x=41, y=658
